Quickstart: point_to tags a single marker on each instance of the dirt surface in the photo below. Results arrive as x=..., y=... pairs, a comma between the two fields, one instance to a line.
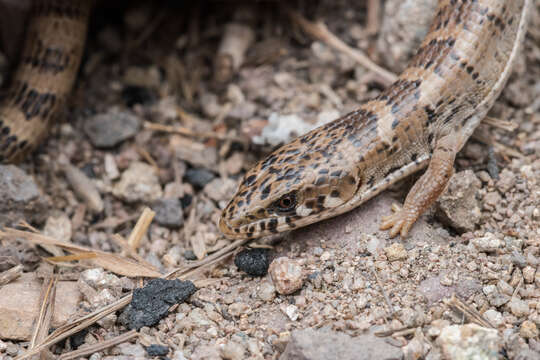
x=148, y=65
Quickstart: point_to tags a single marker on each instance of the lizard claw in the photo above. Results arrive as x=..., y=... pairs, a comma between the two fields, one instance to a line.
x=400, y=222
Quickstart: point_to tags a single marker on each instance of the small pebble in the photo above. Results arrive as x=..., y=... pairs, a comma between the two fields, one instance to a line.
x=238, y=308
x=138, y=183
x=267, y=292
x=507, y=180
x=254, y=262
x=190, y=255
x=199, y=177
x=110, y=129
x=157, y=350
x=169, y=213
x=396, y=251
x=292, y=312
x=487, y=243
x=287, y=275
x=232, y=351
x=528, y=330
x=519, y=307
x=494, y=297
x=529, y=274
x=494, y=317
x=505, y=287
x=469, y=341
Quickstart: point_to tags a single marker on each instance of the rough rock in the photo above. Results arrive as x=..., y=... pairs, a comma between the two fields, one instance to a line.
x=310, y=344
x=458, y=206
x=110, y=129
x=169, y=213
x=396, y=251
x=151, y=303
x=157, y=350
x=469, y=341
x=138, y=183
x=199, y=177
x=254, y=262
x=21, y=197
x=19, y=306
x=287, y=275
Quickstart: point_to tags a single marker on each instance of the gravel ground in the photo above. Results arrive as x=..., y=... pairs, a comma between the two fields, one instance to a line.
x=466, y=280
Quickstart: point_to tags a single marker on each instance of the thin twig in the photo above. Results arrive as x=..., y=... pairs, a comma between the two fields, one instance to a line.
x=320, y=31
x=500, y=124
x=187, y=132
x=385, y=295
x=467, y=311
x=45, y=312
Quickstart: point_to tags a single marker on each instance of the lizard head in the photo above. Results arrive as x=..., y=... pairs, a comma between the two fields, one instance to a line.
x=303, y=182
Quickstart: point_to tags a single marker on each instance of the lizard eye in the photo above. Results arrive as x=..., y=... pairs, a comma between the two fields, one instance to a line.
x=286, y=203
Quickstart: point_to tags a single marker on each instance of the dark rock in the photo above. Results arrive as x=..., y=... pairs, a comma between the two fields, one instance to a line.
x=254, y=262
x=110, y=129
x=157, y=350
x=20, y=197
x=137, y=95
x=169, y=213
x=190, y=255
x=151, y=303
x=186, y=200
x=310, y=344
x=199, y=177
x=77, y=339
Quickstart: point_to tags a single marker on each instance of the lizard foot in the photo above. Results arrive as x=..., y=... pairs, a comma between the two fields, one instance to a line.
x=400, y=222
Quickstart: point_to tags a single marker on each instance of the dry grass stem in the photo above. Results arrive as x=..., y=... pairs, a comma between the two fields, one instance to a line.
x=320, y=31
x=187, y=132
x=10, y=274
x=112, y=262
x=469, y=312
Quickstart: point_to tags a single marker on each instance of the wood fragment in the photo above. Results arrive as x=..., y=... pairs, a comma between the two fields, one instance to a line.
x=320, y=31
x=237, y=38
x=11, y=274
x=141, y=227
x=373, y=17
x=83, y=187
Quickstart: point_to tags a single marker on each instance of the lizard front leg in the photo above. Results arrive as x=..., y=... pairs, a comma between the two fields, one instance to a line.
x=427, y=189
